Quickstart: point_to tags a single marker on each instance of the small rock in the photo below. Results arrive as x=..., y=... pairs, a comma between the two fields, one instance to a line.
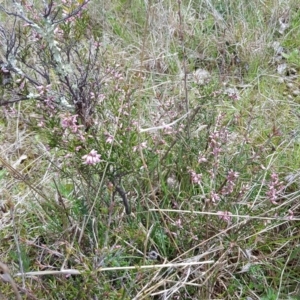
x=284, y=25
x=277, y=48
x=201, y=76
x=281, y=68
x=292, y=71
x=172, y=182
x=296, y=93
x=153, y=255
x=232, y=93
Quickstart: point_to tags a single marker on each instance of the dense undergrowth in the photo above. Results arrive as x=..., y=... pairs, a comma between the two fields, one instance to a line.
x=150, y=149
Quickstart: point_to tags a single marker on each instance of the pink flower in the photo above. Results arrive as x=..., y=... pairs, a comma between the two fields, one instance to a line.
x=291, y=215
x=43, y=89
x=70, y=122
x=92, y=158
x=214, y=197
x=195, y=178
x=109, y=138
x=41, y=124
x=178, y=223
x=97, y=44
x=275, y=187
x=230, y=183
x=201, y=159
x=141, y=146
x=225, y=216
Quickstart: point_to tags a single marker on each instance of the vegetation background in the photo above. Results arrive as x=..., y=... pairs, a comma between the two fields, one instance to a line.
x=149, y=149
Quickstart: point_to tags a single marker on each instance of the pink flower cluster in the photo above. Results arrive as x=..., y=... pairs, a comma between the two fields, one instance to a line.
x=43, y=89
x=275, y=188
x=195, y=178
x=70, y=122
x=230, y=182
x=92, y=158
x=109, y=138
x=201, y=158
x=218, y=137
x=225, y=216
x=215, y=198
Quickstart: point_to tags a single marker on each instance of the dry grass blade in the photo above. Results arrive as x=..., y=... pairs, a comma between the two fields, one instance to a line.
x=158, y=266
x=17, y=175
x=7, y=278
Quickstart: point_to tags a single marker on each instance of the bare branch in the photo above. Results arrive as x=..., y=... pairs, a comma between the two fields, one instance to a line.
x=72, y=14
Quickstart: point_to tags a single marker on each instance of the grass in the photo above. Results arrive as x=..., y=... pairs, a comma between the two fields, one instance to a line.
x=195, y=117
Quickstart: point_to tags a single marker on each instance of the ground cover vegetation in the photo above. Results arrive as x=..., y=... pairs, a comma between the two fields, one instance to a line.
x=149, y=149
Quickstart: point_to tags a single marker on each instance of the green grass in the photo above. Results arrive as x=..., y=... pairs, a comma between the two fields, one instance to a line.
x=243, y=117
